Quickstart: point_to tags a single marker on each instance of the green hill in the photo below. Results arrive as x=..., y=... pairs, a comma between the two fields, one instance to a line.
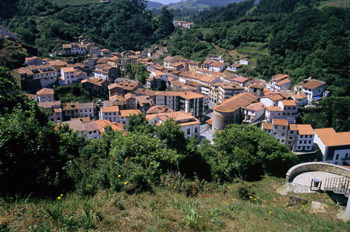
x=200, y=4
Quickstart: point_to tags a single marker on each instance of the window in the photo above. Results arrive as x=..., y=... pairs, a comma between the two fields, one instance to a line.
x=290, y=137
x=290, y=142
x=284, y=128
x=195, y=130
x=188, y=131
x=282, y=140
x=282, y=134
x=301, y=136
x=275, y=133
x=309, y=141
x=337, y=157
x=276, y=127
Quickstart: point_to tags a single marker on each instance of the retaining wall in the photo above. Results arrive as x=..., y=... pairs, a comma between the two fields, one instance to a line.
x=316, y=166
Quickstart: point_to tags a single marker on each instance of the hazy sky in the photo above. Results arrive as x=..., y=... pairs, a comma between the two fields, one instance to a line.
x=166, y=1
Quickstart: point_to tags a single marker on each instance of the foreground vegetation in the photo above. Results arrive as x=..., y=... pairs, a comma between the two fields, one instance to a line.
x=214, y=208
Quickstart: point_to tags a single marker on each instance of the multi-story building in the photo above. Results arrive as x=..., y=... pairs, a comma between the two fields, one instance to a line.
x=254, y=113
x=96, y=86
x=314, y=89
x=189, y=102
x=122, y=88
x=280, y=82
x=231, y=110
x=35, y=77
x=169, y=61
x=219, y=92
x=335, y=146
x=74, y=49
x=68, y=75
x=110, y=113
x=87, y=110
x=301, y=99
x=45, y=95
x=297, y=137
x=289, y=110
x=34, y=61
x=54, y=109
x=104, y=72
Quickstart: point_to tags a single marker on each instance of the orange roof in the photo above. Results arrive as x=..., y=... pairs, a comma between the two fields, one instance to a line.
x=217, y=64
x=313, y=84
x=31, y=58
x=293, y=127
x=255, y=106
x=279, y=77
x=158, y=109
x=101, y=124
x=178, y=116
x=236, y=102
x=282, y=82
x=305, y=129
x=126, y=113
x=69, y=69
x=130, y=95
x=45, y=91
x=280, y=122
x=299, y=96
x=240, y=79
x=109, y=109
x=267, y=126
x=289, y=103
x=274, y=108
x=332, y=138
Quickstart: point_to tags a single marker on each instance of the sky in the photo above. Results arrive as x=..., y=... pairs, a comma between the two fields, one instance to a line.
x=166, y=1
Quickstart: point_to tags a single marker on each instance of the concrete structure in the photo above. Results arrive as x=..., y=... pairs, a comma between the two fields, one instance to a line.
x=123, y=87
x=301, y=99
x=231, y=110
x=168, y=61
x=280, y=82
x=74, y=49
x=335, y=146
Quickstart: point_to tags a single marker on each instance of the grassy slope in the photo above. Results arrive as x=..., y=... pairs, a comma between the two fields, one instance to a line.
x=217, y=208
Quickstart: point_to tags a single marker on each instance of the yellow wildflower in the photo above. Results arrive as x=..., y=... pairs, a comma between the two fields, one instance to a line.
x=125, y=183
x=270, y=211
x=250, y=197
x=58, y=198
x=119, y=176
x=61, y=195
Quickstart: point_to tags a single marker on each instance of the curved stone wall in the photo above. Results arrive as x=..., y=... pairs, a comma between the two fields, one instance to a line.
x=316, y=166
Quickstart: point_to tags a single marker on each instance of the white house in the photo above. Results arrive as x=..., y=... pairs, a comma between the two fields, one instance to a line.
x=45, y=95
x=290, y=110
x=254, y=112
x=87, y=110
x=301, y=99
x=313, y=89
x=234, y=67
x=335, y=146
x=216, y=67
x=243, y=62
x=68, y=75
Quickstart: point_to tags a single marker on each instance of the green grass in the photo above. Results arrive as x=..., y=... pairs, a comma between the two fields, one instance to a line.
x=335, y=3
x=254, y=49
x=74, y=2
x=215, y=208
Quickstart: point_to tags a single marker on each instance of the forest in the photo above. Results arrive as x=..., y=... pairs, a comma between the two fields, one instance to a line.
x=119, y=25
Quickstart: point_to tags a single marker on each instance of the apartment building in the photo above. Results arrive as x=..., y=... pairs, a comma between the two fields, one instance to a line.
x=110, y=113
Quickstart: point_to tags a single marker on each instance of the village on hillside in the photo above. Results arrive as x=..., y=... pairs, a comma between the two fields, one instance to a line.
x=202, y=98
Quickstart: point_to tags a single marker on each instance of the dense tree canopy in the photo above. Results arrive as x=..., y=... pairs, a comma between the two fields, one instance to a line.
x=119, y=25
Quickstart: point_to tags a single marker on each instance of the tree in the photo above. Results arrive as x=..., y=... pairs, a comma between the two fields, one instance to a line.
x=165, y=24
x=248, y=152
